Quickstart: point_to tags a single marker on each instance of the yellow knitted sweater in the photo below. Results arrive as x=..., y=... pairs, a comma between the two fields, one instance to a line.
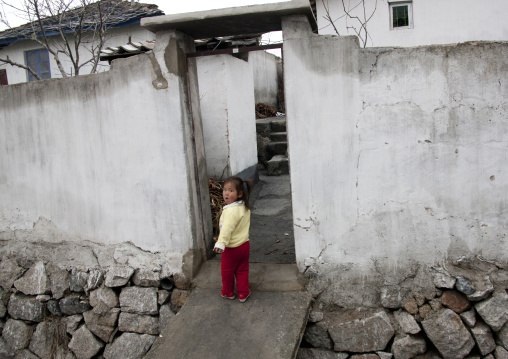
x=234, y=225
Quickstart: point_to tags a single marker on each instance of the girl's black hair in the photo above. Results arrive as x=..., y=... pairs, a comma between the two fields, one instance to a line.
x=241, y=186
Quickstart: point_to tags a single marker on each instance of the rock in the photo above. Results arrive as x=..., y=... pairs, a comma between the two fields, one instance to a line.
x=78, y=280
x=494, y=311
x=406, y=322
x=3, y=309
x=6, y=351
x=44, y=339
x=63, y=352
x=59, y=281
x=54, y=308
x=26, y=308
x=35, y=281
x=436, y=304
x=455, y=301
x=391, y=297
x=423, y=284
x=72, y=323
x=464, y=285
x=384, y=355
x=129, y=346
x=9, y=273
x=95, y=279
x=146, y=278
x=317, y=336
x=103, y=299
x=483, y=289
x=17, y=334
x=118, y=276
x=163, y=296
x=469, y=317
x=136, y=323
x=448, y=334
x=411, y=306
x=181, y=281
x=424, y=310
x=315, y=353
x=483, y=338
x=73, y=304
x=26, y=354
x=84, y=344
x=500, y=353
x=315, y=316
x=361, y=331
x=102, y=324
x=139, y=300
x=364, y=356
x=43, y=297
x=441, y=278
x=179, y=297
x=408, y=347
x=165, y=316
x=431, y=354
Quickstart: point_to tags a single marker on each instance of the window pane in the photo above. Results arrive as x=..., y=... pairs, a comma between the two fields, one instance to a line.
x=400, y=16
x=38, y=60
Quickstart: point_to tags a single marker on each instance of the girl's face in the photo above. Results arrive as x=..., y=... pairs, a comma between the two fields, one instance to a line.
x=229, y=193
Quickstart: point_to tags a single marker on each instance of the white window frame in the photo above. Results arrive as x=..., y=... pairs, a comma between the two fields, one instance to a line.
x=409, y=5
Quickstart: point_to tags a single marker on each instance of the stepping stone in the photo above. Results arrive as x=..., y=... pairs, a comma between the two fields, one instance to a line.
x=278, y=165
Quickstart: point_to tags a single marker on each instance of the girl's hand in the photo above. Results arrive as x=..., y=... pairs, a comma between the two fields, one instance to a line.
x=218, y=250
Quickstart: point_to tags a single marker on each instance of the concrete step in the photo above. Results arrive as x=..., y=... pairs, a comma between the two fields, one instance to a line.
x=276, y=148
x=278, y=165
x=269, y=325
x=271, y=124
x=278, y=137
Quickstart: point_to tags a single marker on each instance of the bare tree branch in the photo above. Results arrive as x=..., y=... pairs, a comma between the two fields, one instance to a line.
x=12, y=63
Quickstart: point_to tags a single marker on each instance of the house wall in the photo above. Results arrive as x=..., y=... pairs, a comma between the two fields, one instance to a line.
x=107, y=158
x=435, y=21
x=117, y=36
x=227, y=108
x=398, y=156
x=266, y=81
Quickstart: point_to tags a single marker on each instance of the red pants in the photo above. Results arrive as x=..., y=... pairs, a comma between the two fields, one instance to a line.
x=235, y=264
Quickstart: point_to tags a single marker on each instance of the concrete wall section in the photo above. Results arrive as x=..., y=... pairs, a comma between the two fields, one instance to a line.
x=434, y=21
x=322, y=101
x=398, y=156
x=102, y=158
x=266, y=82
x=227, y=106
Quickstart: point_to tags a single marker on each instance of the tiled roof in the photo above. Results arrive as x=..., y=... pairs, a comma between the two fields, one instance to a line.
x=120, y=13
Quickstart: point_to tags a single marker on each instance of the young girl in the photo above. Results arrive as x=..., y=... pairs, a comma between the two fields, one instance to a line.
x=233, y=240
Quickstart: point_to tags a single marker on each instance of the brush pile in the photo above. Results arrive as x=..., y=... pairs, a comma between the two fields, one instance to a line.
x=264, y=111
x=216, y=203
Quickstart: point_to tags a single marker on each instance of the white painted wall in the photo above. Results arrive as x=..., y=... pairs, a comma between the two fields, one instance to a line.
x=264, y=68
x=435, y=21
x=398, y=156
x=226, y=91
x=104, y=158
x=16, y=52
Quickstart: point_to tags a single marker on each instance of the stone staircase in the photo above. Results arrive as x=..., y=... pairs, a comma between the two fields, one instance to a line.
x=273, y=145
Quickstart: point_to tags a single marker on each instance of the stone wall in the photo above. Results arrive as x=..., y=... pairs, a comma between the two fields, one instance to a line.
x=453, y=310
x=74, y=301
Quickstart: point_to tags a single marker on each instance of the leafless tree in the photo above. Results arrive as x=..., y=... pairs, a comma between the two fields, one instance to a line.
x=65, y=28
x=359, y=23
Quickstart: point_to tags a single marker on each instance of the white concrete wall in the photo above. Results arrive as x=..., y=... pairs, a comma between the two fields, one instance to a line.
x=435, y=21
x=105, y=158
x=116, y=36
x=227, y=106
x=398, y=156
x=266, y=83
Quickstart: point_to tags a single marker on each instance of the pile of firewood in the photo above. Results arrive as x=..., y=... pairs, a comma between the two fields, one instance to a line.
x=264, y=111
x=216, y=203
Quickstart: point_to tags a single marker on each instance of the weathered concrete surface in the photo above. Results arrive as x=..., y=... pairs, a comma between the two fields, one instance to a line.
x=262, y=276
x=231, y=21
x=268, y=325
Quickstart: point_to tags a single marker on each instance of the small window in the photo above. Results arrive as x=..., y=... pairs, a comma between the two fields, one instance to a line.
x=3, y=77
x=401, y=15
x=38, y=60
